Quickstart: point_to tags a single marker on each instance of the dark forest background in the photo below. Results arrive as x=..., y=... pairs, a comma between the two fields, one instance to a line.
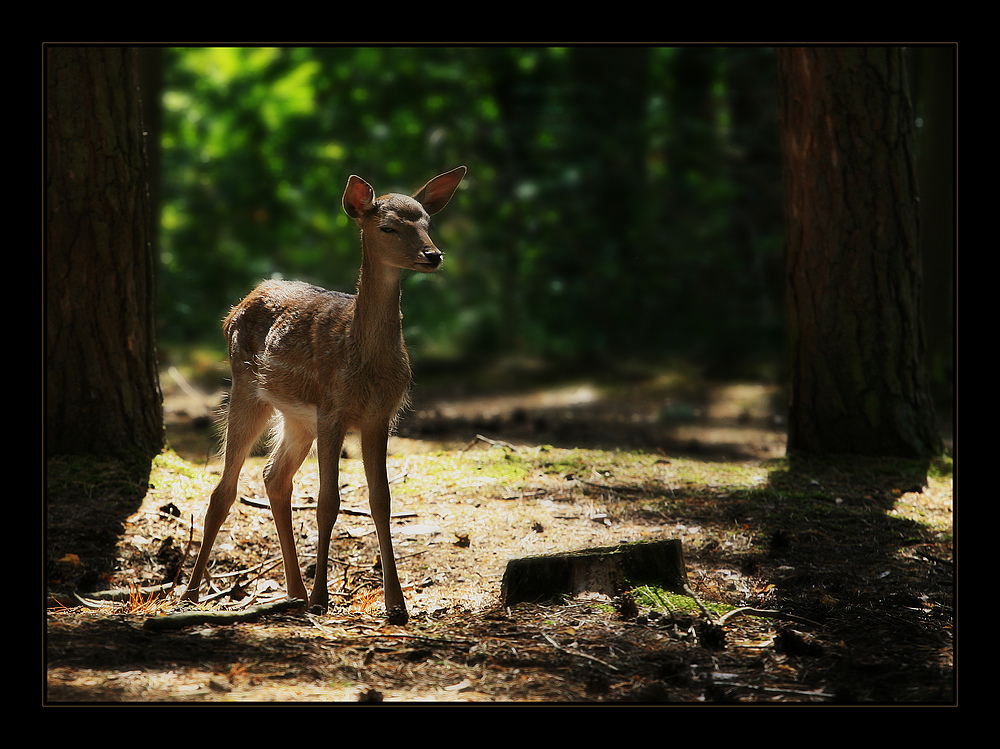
x=620, y=202
x=623, y=204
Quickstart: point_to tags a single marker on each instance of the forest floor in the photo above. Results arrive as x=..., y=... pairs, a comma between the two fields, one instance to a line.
x=852, y=558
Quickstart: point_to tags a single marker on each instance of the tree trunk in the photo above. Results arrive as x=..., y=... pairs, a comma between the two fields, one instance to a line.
x=102, y=392
x=858, y=380
x=936, y=66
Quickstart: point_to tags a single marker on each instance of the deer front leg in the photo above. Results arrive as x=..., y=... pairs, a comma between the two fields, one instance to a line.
x=373, y=452
x=329, y=443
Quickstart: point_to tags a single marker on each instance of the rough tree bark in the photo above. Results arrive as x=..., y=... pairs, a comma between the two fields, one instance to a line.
x=858, y=380
x=102, y=392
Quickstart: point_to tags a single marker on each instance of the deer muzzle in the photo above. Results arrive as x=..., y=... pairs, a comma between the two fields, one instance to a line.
x=429, y=260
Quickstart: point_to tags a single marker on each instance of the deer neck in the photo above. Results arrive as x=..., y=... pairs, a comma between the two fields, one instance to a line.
x=377, y=327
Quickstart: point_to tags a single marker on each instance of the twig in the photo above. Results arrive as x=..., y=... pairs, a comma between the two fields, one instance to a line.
x=661, y=600
x=260, y=569
x=777, y=690
x=619, y=489
x=507, y=495
x=704, y=609
x=426, y=640
x=766, y=613
x=264, y=505
x=184, y=385
x=187, y=550
x=557, y=646
x=367, y=513
x=487, y=440
x=269, y=563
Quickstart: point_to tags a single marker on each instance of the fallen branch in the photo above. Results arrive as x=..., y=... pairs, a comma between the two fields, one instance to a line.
x=263, y=504
x=766, y=613
x=191, y=618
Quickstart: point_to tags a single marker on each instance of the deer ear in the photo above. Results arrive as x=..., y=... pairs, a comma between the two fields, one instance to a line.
x=358, y=197
x=435, y=194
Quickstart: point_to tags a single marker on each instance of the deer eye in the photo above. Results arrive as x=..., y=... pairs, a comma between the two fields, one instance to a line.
x=387, y=230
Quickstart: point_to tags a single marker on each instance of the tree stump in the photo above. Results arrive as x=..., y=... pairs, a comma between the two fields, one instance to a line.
x=608, y=569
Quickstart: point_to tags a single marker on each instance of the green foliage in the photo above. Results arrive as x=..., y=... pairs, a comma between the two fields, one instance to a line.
x=667, y=602
x=620, y=201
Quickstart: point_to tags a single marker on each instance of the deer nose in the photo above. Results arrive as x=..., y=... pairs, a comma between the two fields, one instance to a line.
x=433, y=256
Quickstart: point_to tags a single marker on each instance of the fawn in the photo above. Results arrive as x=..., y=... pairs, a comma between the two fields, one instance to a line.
x=326, y=362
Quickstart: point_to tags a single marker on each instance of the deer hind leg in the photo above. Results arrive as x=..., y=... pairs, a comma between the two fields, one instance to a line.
x=292, y=448
x=247, y=417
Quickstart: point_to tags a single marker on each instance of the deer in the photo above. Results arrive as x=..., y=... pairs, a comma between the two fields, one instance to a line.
x=316, y=364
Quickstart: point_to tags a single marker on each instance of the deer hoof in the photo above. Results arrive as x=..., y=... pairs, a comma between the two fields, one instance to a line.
x=398, y=615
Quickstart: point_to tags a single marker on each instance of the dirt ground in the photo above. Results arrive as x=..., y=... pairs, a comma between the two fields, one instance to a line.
x=853, y=560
